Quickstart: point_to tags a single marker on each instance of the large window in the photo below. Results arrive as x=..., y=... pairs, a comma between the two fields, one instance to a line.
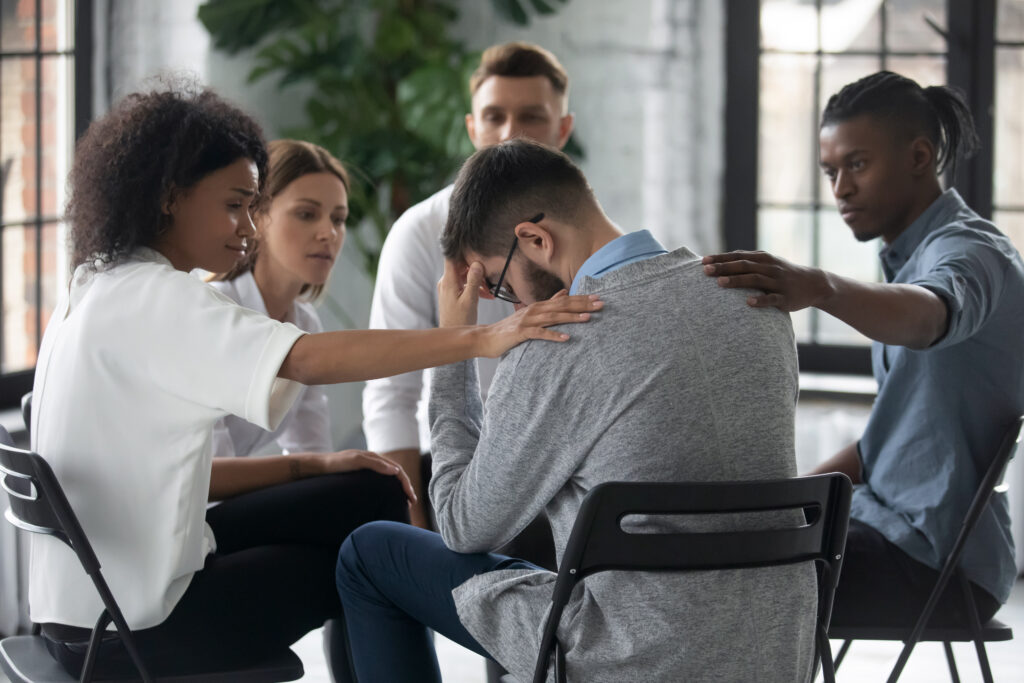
x=1008, y=185
x=786, y=58
x=40, y=41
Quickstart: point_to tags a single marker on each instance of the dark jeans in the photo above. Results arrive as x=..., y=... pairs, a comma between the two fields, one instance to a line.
x=395, y=582
x=881, y=585
x=270, y=582
x=534, y=543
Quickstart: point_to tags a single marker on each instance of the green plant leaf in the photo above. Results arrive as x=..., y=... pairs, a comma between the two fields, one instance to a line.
x=511, y=10
x=387, y=89
x=543, y=7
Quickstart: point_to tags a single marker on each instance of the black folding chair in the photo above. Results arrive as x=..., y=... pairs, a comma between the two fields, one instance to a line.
x=38, y=505
x=992, y=631
x=598, y=542
x=26, y=411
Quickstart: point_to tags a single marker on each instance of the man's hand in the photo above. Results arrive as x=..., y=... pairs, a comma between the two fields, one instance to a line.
x=458, y=293
x=786, y=286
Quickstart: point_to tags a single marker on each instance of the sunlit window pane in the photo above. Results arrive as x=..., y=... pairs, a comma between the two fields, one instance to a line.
x=787, y=143
x=788, y=233
x=58, y=24
x=925, y=70
x=851, y=25
x=908, y=30
x=1010, y=20
x=35, y=156
x=1008, y=181
x=1011, y=223
x=789, y=25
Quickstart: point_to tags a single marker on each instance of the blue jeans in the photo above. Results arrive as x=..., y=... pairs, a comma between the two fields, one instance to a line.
x=395, y=582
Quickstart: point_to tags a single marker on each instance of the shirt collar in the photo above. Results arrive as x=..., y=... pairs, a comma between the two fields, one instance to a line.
x=249, y=296
x=895, y=255
x=621, y=251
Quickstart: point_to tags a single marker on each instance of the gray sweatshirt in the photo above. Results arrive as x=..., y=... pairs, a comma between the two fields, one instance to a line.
x=676, y=379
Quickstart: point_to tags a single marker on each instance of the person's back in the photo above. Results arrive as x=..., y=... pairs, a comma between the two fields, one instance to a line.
x=678, y=381
x=675, y=380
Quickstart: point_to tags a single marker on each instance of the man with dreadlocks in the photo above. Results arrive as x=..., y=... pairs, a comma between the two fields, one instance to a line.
x=947, y=327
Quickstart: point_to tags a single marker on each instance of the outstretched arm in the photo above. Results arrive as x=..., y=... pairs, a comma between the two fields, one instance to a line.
x=355, y=355
x=896, y=314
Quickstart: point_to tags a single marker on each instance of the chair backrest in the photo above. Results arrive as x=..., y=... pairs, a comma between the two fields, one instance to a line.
x=599, y=543
x=986, y=489
x=26, y=412
x=37, y=502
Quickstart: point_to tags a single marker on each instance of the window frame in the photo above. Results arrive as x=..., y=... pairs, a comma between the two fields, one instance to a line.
x=970, y=66
x=13, y=385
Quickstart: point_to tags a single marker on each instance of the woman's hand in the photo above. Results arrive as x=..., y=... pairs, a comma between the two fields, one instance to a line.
x=530, y=322
x=351, y=460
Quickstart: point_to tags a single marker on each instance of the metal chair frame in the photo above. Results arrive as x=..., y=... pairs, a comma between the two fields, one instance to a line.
x=598, y=543
x=974, y=630
x=38, y=505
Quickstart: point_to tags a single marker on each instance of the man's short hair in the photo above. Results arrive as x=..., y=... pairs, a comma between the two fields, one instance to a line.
x=505, y=184
x=520, y=60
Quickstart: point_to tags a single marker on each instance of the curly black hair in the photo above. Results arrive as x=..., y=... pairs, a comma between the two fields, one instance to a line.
x=131, y=161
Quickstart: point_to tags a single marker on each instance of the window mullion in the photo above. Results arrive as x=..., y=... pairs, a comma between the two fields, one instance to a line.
x=971, y=68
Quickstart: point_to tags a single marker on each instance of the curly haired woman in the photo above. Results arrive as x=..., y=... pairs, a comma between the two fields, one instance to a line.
x=139, y=362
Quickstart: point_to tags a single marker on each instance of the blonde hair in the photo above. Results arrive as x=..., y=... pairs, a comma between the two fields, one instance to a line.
x=289, y=160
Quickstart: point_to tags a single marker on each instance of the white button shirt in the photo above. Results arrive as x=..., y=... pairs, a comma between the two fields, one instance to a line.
x=137, y=365
x=307, y=426
x=405, y=298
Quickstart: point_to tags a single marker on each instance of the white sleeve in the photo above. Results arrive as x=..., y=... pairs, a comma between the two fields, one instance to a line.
x=404, y=297
x=227, y=357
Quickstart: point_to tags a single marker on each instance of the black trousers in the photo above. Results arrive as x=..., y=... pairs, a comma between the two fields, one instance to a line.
x=880, y=585
x=270, y=582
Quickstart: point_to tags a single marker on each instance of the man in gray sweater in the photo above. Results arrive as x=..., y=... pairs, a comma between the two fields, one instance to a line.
x=676, y=379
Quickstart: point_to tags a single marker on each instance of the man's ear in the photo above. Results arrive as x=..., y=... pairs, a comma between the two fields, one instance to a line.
x=536, y=241
x=565, y=127
x=471, y=128
x=922, y=156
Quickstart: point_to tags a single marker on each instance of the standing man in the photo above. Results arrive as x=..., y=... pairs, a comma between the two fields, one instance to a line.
x=519, y=90
x=948, y=329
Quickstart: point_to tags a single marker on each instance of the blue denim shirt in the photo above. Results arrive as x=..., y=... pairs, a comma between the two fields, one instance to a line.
x=942, y=411
x=621, y=251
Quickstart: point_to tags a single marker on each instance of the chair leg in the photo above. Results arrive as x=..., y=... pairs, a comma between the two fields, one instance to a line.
x=954, y=675
x=559, y=663
x=842, y=653
x=901, y=662
x=94, y=646
x=974, y=622
x=828, y=669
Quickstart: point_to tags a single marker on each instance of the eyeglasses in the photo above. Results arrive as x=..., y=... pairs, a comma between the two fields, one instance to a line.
x=497, y=290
